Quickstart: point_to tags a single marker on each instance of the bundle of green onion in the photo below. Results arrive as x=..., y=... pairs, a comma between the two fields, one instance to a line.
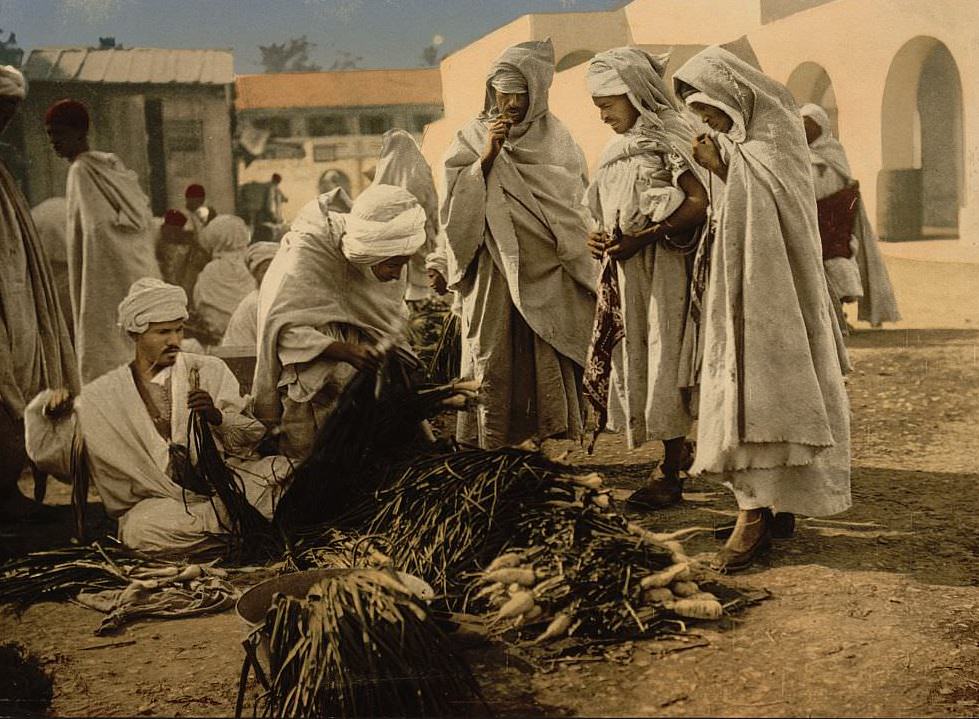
x=360, y=644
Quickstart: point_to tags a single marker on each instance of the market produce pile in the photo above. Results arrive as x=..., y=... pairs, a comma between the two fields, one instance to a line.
x=360, y=644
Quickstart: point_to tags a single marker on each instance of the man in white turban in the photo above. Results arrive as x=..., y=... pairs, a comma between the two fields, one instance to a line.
x=35, y=348
x=225, y=280
x=243, y=326
x=332, y=293
x=134, y=423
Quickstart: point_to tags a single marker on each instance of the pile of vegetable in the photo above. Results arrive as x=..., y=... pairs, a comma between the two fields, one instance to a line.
x=360, y=644
x=435, y=333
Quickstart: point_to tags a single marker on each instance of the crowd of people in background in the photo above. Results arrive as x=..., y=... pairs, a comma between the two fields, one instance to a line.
x=698, y=280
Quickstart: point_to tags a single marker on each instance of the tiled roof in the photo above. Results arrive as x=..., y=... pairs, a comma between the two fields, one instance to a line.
x=343, y=88
x=135, y=65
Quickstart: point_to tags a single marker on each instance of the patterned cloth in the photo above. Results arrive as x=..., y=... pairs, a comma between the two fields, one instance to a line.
x=607, y=332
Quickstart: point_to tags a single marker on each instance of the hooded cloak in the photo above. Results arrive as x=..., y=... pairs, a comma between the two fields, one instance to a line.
x=774, y=416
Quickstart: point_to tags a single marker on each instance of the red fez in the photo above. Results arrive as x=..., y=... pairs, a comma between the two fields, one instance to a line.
x=175, y=218
x=194, y=191
x=69, y=113
x=276, y=177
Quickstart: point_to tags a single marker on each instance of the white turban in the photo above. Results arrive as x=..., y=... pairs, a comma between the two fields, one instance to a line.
x=384, y=222
x=509, y=80
x=151, y=300
x=604, y=80
x=259, y=252
x=12, y=82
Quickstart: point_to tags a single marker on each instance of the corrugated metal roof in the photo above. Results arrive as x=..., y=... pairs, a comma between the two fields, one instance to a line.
x=134, y=65
x=344, y=88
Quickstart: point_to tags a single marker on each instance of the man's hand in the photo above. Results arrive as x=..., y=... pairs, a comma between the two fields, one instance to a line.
x=359, y=356
x=706, y=154
x=59, y=403
x=597, y=242
x=625, y=247
x=498, y=132
x=199, y=400
x=437, y=282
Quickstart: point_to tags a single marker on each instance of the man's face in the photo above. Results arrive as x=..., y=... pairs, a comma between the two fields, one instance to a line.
x=193, y=203
x=813, y=130
x=68, y=142
x=512, y=105
x=160, y=344
x=712, y=117
x=8, y=108
x=617, y=112
x=390, y=269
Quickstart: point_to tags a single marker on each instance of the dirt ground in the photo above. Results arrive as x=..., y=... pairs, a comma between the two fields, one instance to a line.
x=873, y=613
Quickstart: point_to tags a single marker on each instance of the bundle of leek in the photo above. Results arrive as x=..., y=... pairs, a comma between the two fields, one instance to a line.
x=360, y=644
x=248, y=535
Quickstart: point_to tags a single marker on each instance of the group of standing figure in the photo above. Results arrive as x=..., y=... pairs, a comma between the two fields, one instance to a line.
x=685, y=282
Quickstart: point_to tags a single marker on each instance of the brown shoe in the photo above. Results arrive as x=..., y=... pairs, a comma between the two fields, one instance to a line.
x=728, y=561
x=662, y=492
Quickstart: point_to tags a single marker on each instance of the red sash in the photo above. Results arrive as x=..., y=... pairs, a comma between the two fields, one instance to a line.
x=836, y=214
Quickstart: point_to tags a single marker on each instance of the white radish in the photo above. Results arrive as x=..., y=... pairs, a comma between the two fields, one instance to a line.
x=685, y=589
x=698, y=608
x=504, y=561
x=557, y=628
x=658, y=595
x=519, y=604
x=666, y=576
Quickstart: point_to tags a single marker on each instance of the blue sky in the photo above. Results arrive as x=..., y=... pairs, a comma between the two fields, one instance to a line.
x=386, y=33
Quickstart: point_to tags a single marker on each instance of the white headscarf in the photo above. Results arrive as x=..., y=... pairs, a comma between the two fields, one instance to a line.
x=384, y=222
x=259, y=252
x=12, y=82
x=604, y=80
x=151, y=300
x=826, y=149
x=225, y=233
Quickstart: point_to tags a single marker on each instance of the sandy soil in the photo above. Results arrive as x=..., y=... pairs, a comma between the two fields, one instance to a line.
x=873, y=613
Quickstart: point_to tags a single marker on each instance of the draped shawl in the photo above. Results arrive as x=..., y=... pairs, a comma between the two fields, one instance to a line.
x=540, y=174
x=35, y=350
x=878, y=303
x=110, y=245
x=311, y=284
x=402, y=164
x=772, y=368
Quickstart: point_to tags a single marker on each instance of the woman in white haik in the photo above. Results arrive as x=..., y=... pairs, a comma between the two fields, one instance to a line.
x=862, y=277
x=647, y=178
x=773, y=422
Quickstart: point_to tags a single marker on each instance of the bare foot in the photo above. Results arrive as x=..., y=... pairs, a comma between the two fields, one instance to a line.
x=747, y=531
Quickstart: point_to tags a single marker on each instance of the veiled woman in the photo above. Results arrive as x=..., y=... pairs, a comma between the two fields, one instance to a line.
x=858, y=275
x=774, y=418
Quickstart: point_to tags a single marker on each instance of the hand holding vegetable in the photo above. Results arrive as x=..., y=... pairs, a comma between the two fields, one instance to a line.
x=59, y=403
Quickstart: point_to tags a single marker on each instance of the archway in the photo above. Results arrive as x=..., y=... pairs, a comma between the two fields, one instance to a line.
x=922, y=143
x=811, y=83
x=573, y=58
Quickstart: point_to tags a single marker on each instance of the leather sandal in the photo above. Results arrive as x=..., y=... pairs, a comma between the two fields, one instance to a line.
x=662, y=492
x=782, y=524
x=728, y=561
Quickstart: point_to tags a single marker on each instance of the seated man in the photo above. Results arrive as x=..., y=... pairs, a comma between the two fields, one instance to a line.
x=332, y=293
x=134, y=421
x=242, y=328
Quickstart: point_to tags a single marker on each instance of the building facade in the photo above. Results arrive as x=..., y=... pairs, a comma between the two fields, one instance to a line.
x=323, y=128
x=898, y=78
x=166, y=113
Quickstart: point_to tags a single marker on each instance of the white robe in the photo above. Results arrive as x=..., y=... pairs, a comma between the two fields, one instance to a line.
x=110, y=246
x=517, y=256
x=130, y=461
x=646, y=400
x=243, y=326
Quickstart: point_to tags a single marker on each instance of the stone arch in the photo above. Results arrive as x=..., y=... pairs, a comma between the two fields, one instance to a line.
x=573, y=58
x=922, y=144
x=810, y=82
